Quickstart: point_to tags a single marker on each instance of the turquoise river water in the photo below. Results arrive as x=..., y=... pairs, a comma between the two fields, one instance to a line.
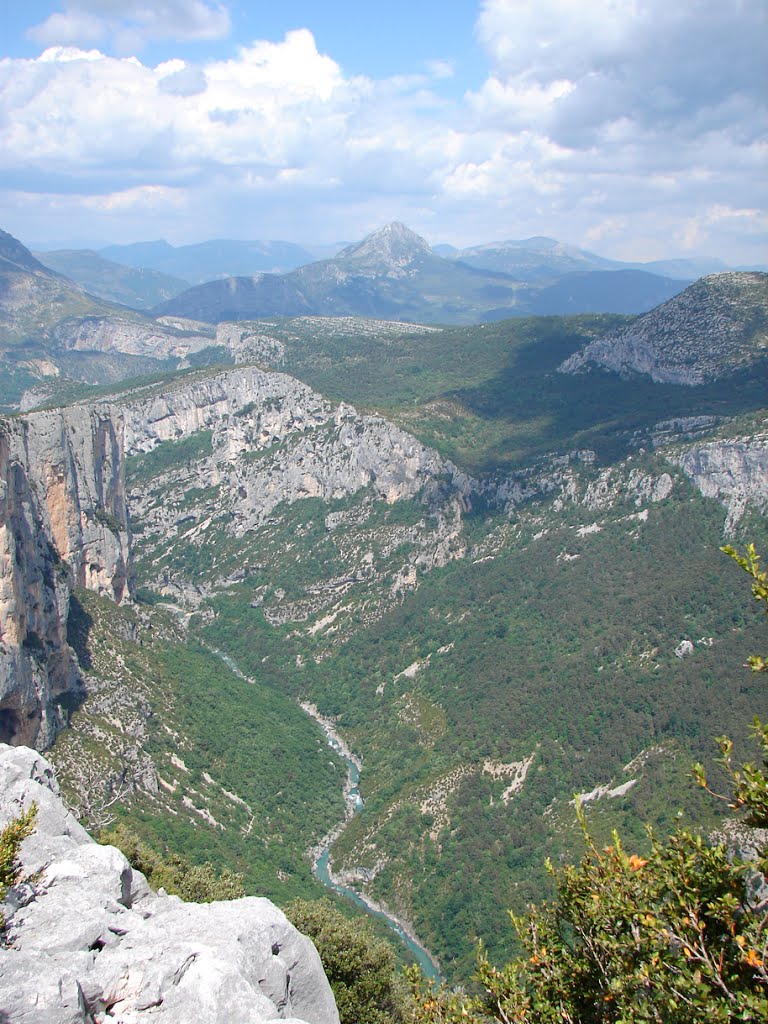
x=320, y=867
x=322, y=872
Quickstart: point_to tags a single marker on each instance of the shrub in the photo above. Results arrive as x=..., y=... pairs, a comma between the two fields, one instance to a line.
x=10, y=840
x=362, y=969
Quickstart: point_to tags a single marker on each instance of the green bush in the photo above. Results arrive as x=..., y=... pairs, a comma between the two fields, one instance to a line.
x=10, y=841
x=361, y=968
x=198, y=883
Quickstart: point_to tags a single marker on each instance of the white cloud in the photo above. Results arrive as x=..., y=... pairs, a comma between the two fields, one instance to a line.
x=131, y=26
x=657, y=63
x=441, y=68
x=602, y=122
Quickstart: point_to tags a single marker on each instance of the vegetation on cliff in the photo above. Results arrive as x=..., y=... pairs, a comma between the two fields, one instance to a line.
x=677, y=934
x=10, y=840
x=361, y=968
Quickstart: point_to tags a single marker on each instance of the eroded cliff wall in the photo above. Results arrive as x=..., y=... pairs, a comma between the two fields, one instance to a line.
x=63, y=523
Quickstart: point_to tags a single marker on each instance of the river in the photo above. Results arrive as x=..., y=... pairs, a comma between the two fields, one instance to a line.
x=354, y=804
x=322, y=852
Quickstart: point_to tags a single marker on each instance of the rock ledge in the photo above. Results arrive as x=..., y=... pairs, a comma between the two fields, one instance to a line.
x=88, y=942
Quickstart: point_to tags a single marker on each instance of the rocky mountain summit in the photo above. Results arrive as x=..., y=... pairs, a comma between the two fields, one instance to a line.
x=88, y=942
x=717, y=325
x=390, y=274
x=392, y=248
x=393, y=273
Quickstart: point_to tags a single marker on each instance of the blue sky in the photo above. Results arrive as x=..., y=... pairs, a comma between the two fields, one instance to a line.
x=376, y=39
x=637, y=129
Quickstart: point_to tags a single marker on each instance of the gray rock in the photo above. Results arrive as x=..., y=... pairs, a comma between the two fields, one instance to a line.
x=63, y=522
x=735, y=471
x=710, y=329
x=88, y=941
x=684, y=648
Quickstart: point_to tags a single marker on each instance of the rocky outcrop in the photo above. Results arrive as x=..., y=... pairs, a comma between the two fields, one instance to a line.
x=716, y=326
x=132, y=336
x=735, y=471
x=275, y=440
x=251, y=343
x=63, y=522
x=88, y=942
x=254, y=441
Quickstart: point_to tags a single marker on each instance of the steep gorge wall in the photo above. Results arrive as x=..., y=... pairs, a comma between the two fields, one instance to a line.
x=63, y=523
x=733, y=470
x=275, y=440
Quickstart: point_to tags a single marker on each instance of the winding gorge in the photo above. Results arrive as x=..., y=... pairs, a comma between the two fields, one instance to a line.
x=348, y=608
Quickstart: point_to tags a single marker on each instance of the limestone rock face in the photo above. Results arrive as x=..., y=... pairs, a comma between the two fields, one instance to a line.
x=130, y=336
x=88, y=942
x=735, y=471
x=250, y=344
x=276, y=440
x=63, y=522
x=714, y=327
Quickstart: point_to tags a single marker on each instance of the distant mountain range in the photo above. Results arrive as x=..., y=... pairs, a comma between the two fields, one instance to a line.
x=531, y=276
x=394, y=274
x=545, y=259
x=206, y=261
x=139, y=287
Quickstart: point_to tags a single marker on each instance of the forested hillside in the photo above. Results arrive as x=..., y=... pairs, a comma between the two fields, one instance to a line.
x=499, y=583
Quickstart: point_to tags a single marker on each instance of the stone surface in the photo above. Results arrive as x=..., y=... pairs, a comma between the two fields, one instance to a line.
x=714, y=327
x=63, y=522
x=88, y=941
x=735, y=471
x=131, y=336
x=275, y=440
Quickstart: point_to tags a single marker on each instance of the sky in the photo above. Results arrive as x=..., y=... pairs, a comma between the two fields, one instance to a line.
x=634, y=128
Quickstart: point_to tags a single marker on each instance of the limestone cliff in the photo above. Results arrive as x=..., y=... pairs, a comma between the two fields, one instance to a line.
x=274, y=439
x=63, y=522
x=266, y=440
x=733, y=470
x=89, y=942
x=133, y=336
x=716, y=326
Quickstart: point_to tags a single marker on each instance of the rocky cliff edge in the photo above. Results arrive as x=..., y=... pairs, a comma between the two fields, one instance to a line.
x=88, y=942
x=63, y=523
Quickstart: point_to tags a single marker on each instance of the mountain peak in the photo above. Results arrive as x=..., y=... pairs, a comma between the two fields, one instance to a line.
x=17, y=257
x=393, y=245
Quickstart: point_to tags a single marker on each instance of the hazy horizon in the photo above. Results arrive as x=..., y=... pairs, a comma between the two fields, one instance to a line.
x=637, y=132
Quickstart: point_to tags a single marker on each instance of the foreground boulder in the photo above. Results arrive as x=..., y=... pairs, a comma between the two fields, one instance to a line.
x=88, y=942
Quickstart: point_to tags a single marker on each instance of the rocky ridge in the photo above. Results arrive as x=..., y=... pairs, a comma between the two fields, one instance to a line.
x=131, y=337
x=88, y=942
x=63, y=523
x=717, y=325
x=274, y=442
